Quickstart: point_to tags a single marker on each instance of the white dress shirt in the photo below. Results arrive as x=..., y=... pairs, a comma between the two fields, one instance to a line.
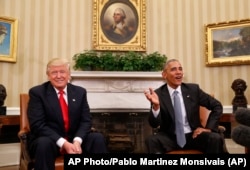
x=187, y=128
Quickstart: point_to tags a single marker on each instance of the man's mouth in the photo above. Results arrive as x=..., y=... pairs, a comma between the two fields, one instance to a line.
x=178, y=78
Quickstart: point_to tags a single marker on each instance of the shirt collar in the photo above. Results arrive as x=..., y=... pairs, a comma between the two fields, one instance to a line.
x=171, y=90
x=64, y=90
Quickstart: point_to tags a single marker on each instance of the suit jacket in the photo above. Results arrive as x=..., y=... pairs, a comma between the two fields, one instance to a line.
x=45, y=116
x=193, y=98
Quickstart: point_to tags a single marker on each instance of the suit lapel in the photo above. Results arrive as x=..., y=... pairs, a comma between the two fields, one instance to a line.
x=72, y=100
x=168, y=102
x=186, y=99
x=54, y=103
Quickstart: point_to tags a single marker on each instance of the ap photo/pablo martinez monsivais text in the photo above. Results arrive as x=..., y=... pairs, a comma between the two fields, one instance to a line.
x=77, y=162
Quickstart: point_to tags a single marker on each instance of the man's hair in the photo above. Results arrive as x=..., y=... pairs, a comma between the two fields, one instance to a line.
x=120, y=11
x=57, y=62
x=167, y=63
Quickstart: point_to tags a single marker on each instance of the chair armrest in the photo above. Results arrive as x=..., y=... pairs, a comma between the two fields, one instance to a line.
x=93, y=129
x=23, y=136
x=221, y=129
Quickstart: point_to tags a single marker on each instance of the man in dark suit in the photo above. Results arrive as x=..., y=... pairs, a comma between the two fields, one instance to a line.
x=162, y=114
x=49, y=138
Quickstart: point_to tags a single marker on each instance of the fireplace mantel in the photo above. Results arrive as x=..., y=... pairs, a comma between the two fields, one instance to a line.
x=117, y=91
x=115, y=74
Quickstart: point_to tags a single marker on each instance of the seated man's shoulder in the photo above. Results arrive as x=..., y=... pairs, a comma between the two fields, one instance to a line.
x=190, y=85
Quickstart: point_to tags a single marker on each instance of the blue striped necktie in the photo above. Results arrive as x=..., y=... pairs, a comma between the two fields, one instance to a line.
x=179, y=127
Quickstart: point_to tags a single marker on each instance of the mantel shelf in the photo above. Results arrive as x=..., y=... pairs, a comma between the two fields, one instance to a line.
x=117, y=90
x=115, y=74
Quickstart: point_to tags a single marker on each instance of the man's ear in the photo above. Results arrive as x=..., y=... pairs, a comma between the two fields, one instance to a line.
x=163, y=74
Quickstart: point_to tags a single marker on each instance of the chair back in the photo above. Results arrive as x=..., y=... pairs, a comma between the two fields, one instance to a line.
x=24, y=123
x=204, y=114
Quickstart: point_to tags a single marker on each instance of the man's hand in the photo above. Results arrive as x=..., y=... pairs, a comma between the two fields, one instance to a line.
x=153, y=98
x=200, y=130
x=70, y=148
x=78, y=148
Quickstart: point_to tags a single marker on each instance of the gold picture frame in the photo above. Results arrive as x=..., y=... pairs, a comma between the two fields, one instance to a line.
x=228, y=43
x=108, y=37
x=8, y=39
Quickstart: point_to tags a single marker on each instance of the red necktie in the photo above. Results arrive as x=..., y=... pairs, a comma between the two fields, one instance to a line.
x=64, y=108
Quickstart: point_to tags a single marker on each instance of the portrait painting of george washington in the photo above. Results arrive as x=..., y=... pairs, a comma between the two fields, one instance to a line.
x=119, y=22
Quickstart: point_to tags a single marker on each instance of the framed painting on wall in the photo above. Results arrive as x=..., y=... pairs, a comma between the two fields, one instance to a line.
x=8, y=39
x=228, y=43
x=119, y=25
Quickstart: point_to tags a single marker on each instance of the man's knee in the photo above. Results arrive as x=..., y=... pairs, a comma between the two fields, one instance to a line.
x=45, y=144
x=150, y=139
x=96, y=137
x=216, y=138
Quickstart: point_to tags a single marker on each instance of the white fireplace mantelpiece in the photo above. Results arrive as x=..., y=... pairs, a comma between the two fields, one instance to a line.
x=119, y=91
x=115, y=74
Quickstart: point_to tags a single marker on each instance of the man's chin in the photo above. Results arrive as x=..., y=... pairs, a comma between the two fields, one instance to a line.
x=60, y=85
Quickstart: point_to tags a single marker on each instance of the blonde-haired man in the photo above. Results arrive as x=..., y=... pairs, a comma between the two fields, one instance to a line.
x=49, y=137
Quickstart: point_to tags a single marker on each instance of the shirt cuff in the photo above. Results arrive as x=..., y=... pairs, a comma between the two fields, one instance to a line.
x=60, y=142
x=78, y=139
x=155, y=113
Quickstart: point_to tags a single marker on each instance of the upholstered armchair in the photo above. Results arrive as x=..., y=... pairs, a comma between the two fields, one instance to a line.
x=26, y=163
